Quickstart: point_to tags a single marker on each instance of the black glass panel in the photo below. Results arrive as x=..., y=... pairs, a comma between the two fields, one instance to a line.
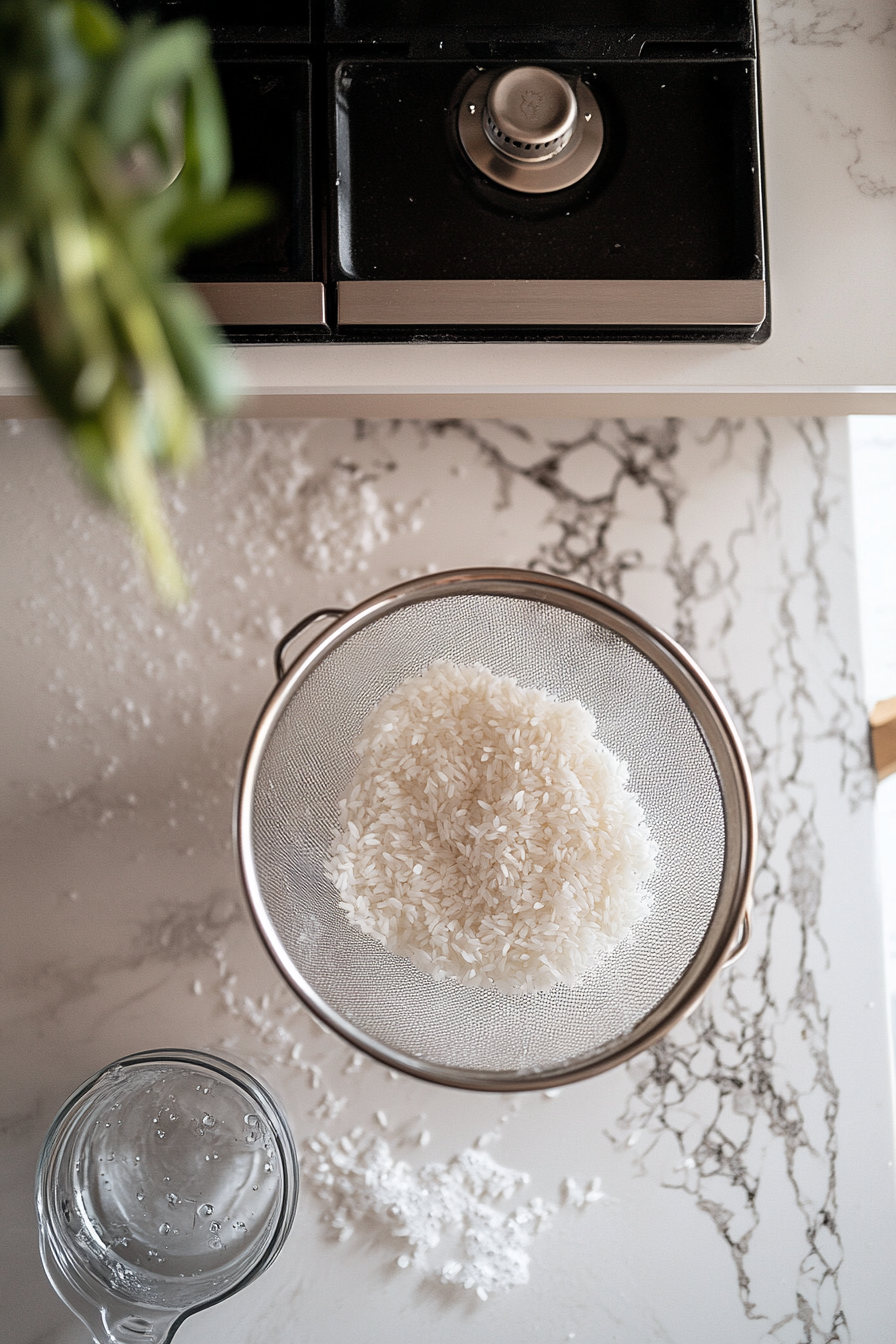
x=265, y=20
x=638, y=15
x=673, y=197
x=268, y=109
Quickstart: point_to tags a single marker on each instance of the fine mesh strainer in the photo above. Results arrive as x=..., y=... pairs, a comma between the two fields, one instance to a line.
x=653, y=708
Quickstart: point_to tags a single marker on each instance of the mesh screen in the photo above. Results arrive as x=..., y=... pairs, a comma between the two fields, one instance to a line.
x=309, y=761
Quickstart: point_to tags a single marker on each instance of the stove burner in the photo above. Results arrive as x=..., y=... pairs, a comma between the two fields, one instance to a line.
x=530, y=129
x=530, y=113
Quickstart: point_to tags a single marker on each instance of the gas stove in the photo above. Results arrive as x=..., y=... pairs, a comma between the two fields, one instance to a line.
x=491, y=170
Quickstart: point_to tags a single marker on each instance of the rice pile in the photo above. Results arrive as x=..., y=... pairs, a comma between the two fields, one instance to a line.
x=488, y=835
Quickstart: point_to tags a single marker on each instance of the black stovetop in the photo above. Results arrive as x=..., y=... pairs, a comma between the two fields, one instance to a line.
x=348, y=111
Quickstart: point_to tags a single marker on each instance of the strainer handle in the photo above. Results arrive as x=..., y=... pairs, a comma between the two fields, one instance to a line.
x=290, y=635
x=743, y=939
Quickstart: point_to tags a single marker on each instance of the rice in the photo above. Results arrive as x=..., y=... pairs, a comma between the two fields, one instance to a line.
x=488, y=835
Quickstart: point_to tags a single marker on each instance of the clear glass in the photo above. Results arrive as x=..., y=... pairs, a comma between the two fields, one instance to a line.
x=167, y=1182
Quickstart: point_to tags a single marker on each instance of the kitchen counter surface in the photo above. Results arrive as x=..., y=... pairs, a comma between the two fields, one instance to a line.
x=829, y=114
x=746, y=1163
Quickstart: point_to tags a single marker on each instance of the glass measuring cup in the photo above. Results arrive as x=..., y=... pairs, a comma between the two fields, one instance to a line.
x=167, y=1182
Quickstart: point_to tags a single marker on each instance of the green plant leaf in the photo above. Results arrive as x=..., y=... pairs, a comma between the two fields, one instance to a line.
x=206, y=141
x=99, y=31
x=204, y=360
x=129, y=478
x=206, y=222
x=164, y=59
x=14, y=276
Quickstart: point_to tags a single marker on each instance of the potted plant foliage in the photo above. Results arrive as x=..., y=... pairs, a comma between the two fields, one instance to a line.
x=114, y=160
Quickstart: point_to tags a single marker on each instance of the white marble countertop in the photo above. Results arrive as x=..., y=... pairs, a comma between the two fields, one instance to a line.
x=828, y=70
x=873, y=443
x=748, y=1159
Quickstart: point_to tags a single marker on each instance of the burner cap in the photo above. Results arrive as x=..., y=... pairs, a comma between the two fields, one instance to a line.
x=529, y=129
x=530, y=113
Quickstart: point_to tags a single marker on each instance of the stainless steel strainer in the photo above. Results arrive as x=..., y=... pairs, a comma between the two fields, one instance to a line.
x=654, y=709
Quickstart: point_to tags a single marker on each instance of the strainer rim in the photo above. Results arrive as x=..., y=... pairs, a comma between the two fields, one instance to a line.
x=734, y=899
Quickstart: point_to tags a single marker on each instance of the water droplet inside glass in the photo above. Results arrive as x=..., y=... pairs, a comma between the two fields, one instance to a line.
x=164, y=1228
x=206, y=1210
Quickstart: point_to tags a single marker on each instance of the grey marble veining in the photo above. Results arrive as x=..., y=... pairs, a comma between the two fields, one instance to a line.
x=747, y=1155
x=873, y=457
x=714, y=1087
x=829, y=23
x=833, y=40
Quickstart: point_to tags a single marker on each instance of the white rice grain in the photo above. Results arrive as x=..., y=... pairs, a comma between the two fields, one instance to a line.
x=488, y=835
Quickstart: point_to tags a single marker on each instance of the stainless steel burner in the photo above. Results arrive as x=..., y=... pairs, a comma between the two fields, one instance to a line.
x=530, y=113
x=530, y=129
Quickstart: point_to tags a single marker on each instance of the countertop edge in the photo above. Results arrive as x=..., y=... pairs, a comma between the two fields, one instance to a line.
x=499, y=403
